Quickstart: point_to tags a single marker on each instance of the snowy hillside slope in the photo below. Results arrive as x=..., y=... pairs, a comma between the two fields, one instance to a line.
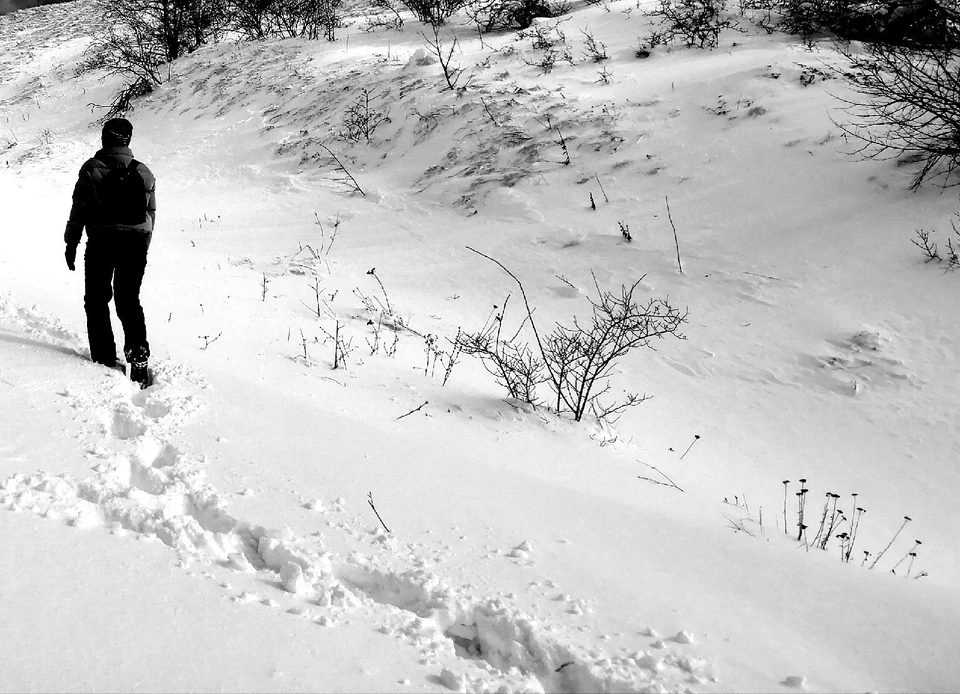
x=524, y=551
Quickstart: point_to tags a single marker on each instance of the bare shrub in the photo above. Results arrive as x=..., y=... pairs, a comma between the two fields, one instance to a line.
x=161, y=30
x=123, y=101
x=546, y=35
x=594, y=50
x=389, y=15
x=126, y=51
x=253, y=19
x=514, y=366
x=434, y=12
x=138, y=37
x=309, y=19
x=444, y=52
x=362, y=119
x=550, y=41
x=695, y=23
x=579, y=359
x=931, y=251
x=498, y=15
x=930, y=23
x=907, y=103
x=928, y=246
x=808, y=18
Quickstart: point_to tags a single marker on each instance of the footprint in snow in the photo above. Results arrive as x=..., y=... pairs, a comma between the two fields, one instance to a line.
x=795, y=682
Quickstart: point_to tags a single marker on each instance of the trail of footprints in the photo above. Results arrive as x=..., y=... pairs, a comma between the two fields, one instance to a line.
x=142, y=484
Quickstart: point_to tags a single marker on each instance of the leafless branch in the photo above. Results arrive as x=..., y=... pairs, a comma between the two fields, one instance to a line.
x=669, y=482
x=415, y=410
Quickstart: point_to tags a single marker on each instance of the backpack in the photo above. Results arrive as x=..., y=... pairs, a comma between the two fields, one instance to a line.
x=122, y=196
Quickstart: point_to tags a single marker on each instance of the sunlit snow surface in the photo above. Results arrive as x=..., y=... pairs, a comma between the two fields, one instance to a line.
x=216, y=531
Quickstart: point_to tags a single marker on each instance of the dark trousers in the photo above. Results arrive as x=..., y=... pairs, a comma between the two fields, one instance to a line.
x=113, y=266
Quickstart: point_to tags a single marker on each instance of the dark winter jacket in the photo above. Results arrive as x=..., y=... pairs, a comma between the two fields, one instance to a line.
x=87, y=210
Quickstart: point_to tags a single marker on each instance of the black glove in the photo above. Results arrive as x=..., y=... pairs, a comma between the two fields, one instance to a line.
x=71, y=256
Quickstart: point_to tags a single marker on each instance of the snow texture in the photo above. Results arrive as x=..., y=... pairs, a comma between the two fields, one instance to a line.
x=259, y=520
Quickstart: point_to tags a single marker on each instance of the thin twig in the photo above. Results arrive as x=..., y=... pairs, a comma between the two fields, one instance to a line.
x=209, y=340
x=336, y=346
x=766, y=277
x=675, y=239
x=696, y=437
x=906, y=519
x=370, y=501
x=343, y=168
x=425, y=403
x=661, y=473
x=373, y=273
x=601, y=188
x=738, y=526
x=563, y=146
x=526, y=303
x=486, y=108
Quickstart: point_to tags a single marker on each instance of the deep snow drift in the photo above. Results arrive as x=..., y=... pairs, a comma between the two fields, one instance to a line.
x=220, y=530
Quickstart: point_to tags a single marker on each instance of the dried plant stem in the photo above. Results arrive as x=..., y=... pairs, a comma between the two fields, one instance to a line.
x=486, y=108
x=563, y=146
x=373, y=273
x=526, y=305
x=451, y=72
x=303, y=341
x=696, y=437
x=786, y=484
x=823, y=520
x=906, y=520
x=370, y=501
x=674, y=227
x=669, y=482
x=911, y=553
x=208, y=340
x=606, y=199
x=414, y=410
x=336, y=346
x=343, y=169
x=857, y=515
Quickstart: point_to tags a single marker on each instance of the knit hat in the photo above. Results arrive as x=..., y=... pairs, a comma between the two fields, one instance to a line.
x=117, y=132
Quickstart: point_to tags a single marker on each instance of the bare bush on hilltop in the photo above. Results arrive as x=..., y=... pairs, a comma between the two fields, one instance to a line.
x=434, y=12
x=501, y=15
x=907, y=104
x=694, y=23
x=905, y=73
x=901, y=22
x=138, y=37
x=309, y=19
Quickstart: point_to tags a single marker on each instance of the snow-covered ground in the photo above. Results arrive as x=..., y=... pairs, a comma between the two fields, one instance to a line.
x=215, y=531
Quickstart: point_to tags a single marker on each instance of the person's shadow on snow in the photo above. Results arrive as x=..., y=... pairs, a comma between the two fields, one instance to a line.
x=16, y=338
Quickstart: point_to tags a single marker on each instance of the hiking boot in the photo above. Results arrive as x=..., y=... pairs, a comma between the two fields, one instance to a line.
x=137, y=359
x=140, y=374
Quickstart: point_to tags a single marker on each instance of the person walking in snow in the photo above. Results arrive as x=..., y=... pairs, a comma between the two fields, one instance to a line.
x=115, y=200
